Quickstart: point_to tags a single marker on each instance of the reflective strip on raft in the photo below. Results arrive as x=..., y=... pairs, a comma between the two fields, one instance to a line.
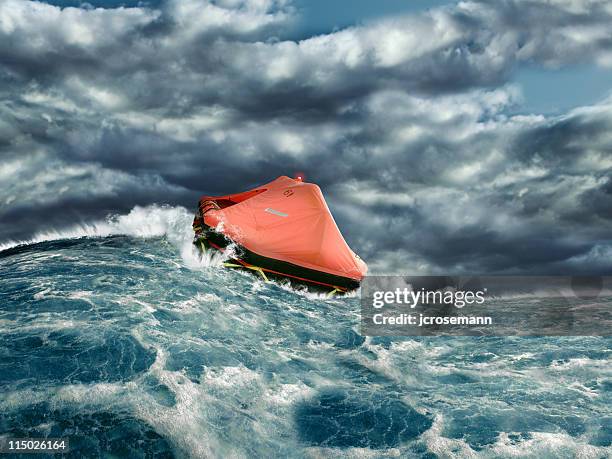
x=276, y=212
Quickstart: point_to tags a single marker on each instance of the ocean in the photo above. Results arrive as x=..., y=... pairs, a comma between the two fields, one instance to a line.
x=119, y=336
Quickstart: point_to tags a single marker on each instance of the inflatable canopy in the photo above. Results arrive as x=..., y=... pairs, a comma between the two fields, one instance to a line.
x=283, y=227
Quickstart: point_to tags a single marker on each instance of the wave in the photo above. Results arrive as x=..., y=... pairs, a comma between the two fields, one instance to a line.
x=153, y=221
x=145, y=222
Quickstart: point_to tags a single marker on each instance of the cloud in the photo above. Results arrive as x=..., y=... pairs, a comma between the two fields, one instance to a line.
x=407, y=123
x=196, y=53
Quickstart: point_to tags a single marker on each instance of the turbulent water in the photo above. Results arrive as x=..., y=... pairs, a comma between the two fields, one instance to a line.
x=128, y=343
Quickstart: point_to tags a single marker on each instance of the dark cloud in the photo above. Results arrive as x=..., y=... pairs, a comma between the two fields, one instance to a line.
x=405, y=123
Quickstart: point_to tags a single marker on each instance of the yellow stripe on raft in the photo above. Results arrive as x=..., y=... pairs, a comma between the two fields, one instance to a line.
x=254, y=268
x=260, y=271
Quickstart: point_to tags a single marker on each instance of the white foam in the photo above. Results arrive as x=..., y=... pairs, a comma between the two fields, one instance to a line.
x=130, y=300
x=229, y=376
x=43, y=294
x=579, y=363
x=582, y=389
x=46, y=323
x=351, y=452
x=288, y=394
x=390, y=361
x=445, y=447
x=184, y=424
x=546, y=444
x=537, y=445
x=145, y=222
x=99, y=394
x=313, y=296
x=523, y=356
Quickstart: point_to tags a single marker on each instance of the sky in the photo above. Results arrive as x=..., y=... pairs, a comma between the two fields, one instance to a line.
x=449, y=138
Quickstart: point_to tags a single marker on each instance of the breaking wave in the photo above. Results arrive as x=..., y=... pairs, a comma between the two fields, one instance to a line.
x=153, y=221
x=144, y=222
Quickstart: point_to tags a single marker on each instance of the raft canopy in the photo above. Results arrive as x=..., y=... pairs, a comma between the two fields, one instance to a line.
x=286, y=220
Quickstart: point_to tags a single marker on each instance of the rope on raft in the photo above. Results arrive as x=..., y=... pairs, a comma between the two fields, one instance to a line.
x=254, y=268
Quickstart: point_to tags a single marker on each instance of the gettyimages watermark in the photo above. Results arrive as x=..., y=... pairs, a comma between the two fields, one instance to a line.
x=486, y=306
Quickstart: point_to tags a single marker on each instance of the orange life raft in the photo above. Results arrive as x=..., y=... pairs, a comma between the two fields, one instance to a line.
x=281, y=229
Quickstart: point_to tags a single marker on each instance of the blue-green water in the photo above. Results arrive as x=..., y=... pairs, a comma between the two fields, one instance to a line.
x=131, y=346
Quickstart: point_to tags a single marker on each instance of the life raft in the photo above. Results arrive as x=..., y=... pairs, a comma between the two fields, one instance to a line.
x=281, y=229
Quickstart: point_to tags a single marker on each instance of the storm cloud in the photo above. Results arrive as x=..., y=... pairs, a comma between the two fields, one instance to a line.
x=410, y=124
